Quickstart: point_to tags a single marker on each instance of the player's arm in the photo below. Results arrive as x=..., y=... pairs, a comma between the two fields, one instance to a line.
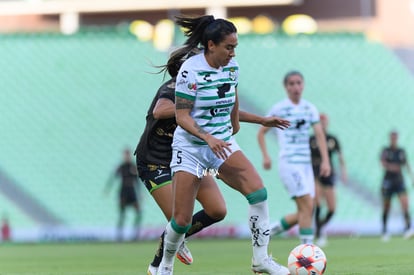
x=325, y=169
x=110, y=181
x=183, y=107
x=267, y=161
x=342, y=166
x=270, y=121
x=235, y=115
x=164, y=108
x=409, y=171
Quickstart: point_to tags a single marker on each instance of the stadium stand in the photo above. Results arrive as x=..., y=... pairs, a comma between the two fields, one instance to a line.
x=71, y=104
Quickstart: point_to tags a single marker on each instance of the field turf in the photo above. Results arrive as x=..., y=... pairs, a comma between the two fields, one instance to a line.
x=213, y=256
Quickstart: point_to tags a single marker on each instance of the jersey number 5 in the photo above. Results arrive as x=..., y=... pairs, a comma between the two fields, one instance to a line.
x=179, y=158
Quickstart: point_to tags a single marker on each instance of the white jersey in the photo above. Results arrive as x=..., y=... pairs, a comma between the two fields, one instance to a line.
x=294, y=141
x=213, y=93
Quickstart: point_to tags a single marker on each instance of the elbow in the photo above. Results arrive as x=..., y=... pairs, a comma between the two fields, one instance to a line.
x=236, y=129
x=157, y=114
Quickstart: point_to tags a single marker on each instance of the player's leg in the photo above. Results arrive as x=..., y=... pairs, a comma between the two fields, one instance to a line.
x=238, y=172
x=403, y=198
x=214, y=206
x=185, y=187
x=284, y=224
x=161, y=191
x=318, y=199
x=137, y=219
x=305, y=210
x=121, y=218
x=330, y=197
x=386, y=204
x=214, y=210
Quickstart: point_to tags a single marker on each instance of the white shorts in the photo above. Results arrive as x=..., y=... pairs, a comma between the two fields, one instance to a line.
x=297, y=178
x=198, y=160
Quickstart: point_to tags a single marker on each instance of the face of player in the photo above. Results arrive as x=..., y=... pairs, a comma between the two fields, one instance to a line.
x=294, y=87
x=394, y=139
x=220, y=54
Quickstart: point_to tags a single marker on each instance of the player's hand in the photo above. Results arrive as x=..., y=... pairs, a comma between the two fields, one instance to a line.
x=219, y=147
x=267, y=163
x=325, y=169
x=277, y=122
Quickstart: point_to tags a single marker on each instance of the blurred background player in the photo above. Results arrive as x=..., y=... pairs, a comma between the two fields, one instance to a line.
x=127, y=173
x=324, y=186
x=295, y=169
x=393, y=159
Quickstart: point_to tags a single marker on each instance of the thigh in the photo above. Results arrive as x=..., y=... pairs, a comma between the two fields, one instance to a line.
x=163, y=196
x=298, y=179
x=329, y=194
x=210, y=198
x=185, y=188
x=239, y=173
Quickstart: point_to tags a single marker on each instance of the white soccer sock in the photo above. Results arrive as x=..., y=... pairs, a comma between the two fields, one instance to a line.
x=259, y=226
x=172, y=241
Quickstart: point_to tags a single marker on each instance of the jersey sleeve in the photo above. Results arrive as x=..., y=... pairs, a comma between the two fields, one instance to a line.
x=186, y=85
x=167, y=90
x=337, y=145
x=314, y=117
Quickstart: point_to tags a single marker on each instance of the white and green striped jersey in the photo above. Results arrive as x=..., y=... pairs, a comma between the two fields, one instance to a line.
x=294, y=141
x=213, y=93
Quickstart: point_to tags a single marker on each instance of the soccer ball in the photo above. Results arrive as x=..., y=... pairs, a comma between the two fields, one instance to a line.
x=307, y=259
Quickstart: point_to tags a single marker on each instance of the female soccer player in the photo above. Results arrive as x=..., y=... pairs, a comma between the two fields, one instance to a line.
x=393, y=159
x=325, y=186
x=295, y=167
x=153, y=155
x=207, y=116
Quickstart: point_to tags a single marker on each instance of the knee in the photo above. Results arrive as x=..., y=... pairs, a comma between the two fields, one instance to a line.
x=218, y=214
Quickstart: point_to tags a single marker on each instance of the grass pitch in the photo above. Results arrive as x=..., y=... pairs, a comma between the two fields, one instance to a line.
x=214, y=256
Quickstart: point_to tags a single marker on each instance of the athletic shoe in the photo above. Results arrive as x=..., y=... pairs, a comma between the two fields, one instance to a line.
x=269, y=266
x=408, y=234
x=385, y=237
x=322, y=241
x=165, y=270
x=152, y=270
x=184, y=254
x=276, y=228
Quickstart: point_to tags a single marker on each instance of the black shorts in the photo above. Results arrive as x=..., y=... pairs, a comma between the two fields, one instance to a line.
x=390, y=187
x=328, y=181
x=127, y=196
x=154, y=176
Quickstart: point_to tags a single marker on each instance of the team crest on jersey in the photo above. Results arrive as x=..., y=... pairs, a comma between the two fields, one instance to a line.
x=192, y=86
x=232, y=74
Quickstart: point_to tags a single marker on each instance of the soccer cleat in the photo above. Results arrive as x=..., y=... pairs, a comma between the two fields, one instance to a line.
x=184, y=254
x=385, y=237
x=152, y=270
x=269, y=266
x=408, y=234
x=165, y=270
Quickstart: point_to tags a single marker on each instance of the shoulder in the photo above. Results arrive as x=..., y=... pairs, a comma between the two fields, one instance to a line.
x=308, y=104
x=167, y=89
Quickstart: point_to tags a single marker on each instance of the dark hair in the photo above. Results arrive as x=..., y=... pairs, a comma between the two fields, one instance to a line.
x=199, y=30
x=289, y=74
x=176, y=60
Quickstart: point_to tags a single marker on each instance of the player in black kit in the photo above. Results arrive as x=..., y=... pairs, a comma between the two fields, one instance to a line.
x=393, y=159
x=325, y=186
x=153, y=156
x=127, y=172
